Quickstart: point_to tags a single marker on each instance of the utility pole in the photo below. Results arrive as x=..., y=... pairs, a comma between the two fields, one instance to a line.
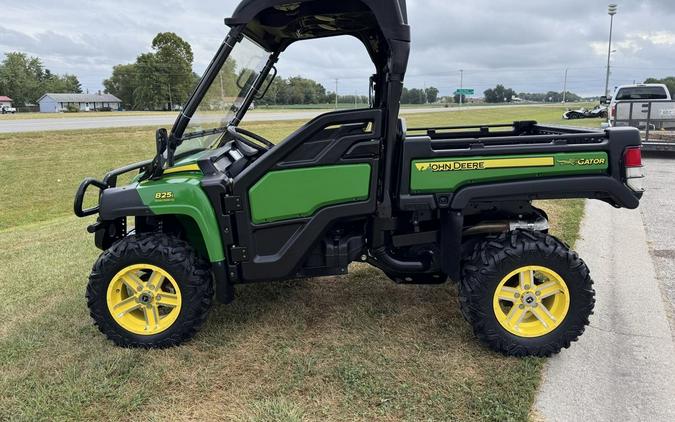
x=170, y=100
x=565, y=86
x=424, y=91
x=461, y=86
x=336, y=93
x=222, y=86
x=611, y=10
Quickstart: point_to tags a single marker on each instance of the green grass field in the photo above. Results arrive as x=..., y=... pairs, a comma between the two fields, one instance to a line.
x=352, y=348
x=21, y=116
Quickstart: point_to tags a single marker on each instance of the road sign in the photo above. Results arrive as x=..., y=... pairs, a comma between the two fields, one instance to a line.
x=464, y=91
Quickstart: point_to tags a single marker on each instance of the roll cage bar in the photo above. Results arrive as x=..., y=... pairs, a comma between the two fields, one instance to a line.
x=381, y=25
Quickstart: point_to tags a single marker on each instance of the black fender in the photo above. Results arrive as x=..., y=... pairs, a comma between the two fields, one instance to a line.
x=593, y=187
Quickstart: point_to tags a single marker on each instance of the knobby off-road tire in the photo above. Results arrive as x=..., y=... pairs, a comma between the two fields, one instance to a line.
x=493, y=260
x=189, y=273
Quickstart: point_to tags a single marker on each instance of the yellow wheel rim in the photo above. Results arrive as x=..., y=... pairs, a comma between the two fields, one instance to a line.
x=531, y=301
x=144, y=299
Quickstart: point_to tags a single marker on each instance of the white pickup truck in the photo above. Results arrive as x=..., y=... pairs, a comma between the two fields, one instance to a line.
x=638, y=93
x=7, y=110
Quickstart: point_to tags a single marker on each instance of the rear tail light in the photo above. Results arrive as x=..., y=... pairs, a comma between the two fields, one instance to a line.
x=632, y=157
x=632, y=161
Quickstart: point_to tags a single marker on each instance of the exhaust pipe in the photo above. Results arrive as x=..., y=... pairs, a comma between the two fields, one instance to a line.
x=538, y=225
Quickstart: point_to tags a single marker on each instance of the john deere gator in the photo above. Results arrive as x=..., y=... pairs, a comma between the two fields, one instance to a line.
x=219, y=205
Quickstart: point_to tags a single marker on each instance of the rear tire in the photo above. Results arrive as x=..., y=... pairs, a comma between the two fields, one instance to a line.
x=185, y=282
x=481, y=290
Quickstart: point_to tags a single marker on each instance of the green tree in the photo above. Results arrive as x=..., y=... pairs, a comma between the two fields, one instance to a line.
x=159, y=79
x=413, y=96
x=25, y=79
x=432, y=94
x=296, y=90
x=173, y=66
x=60, y=84
x=123, y=84
x=148, y=93
x=499, y=94
x=20, y=78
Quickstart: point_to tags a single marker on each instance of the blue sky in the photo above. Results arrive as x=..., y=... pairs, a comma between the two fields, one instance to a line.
x=524, y=44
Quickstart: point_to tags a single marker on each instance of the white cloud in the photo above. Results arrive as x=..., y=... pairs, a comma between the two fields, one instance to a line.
x=525, y=44
x=659, y=37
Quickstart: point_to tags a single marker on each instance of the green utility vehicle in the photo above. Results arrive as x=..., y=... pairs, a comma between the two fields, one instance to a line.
x=219, y=205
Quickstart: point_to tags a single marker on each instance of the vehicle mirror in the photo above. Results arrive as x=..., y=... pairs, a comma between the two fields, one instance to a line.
x=240, y=80
x=161, y=138
x=161, y=143
x=603, y=100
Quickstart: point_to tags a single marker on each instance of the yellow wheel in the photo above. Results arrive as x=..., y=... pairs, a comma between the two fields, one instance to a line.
x=525, y=293
x=150, y=290
x=531, y=301
x=144, y=299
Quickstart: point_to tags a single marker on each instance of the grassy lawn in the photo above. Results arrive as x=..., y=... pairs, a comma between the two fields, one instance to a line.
x=92, y=114
x=21, y=116
x=358, y=347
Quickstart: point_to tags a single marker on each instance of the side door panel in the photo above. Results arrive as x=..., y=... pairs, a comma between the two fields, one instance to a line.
x=325, y=171
x=301, y=192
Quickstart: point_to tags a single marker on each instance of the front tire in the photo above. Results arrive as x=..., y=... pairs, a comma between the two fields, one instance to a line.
x=525, y=293
x=149, y=290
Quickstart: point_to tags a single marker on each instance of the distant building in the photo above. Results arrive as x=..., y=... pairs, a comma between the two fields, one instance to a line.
x=55, y=103
x=5, y=101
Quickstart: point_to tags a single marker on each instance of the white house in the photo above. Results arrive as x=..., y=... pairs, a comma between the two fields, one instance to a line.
x=55, y=103
x=5, y=101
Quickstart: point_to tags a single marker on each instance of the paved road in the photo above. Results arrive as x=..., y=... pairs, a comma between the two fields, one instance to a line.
x=623, y=367
x=658, y=212
x=108, y=121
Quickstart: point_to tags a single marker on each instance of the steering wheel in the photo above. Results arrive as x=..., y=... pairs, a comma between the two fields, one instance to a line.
x=239, y=134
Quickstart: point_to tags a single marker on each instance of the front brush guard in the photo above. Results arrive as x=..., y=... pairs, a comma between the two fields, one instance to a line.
x=109, y=181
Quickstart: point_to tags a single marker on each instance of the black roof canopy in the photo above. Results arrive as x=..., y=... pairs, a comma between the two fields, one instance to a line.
x=277, y=23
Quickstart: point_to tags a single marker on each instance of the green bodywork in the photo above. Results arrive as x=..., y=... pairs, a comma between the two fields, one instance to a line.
x=301, y=192
x=285, y=194
x=449, y=174
x=180, y=194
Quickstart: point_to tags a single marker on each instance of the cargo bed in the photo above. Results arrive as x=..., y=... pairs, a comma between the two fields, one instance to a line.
x=453, y=166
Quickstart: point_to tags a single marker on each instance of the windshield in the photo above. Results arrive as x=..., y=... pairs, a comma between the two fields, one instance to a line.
x=225, y=95
x=642, y=93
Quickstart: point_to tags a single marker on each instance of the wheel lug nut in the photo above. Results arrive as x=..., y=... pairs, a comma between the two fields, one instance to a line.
x=521, y=306
x=538, y=293
x=517, y=295
x=527, y=287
